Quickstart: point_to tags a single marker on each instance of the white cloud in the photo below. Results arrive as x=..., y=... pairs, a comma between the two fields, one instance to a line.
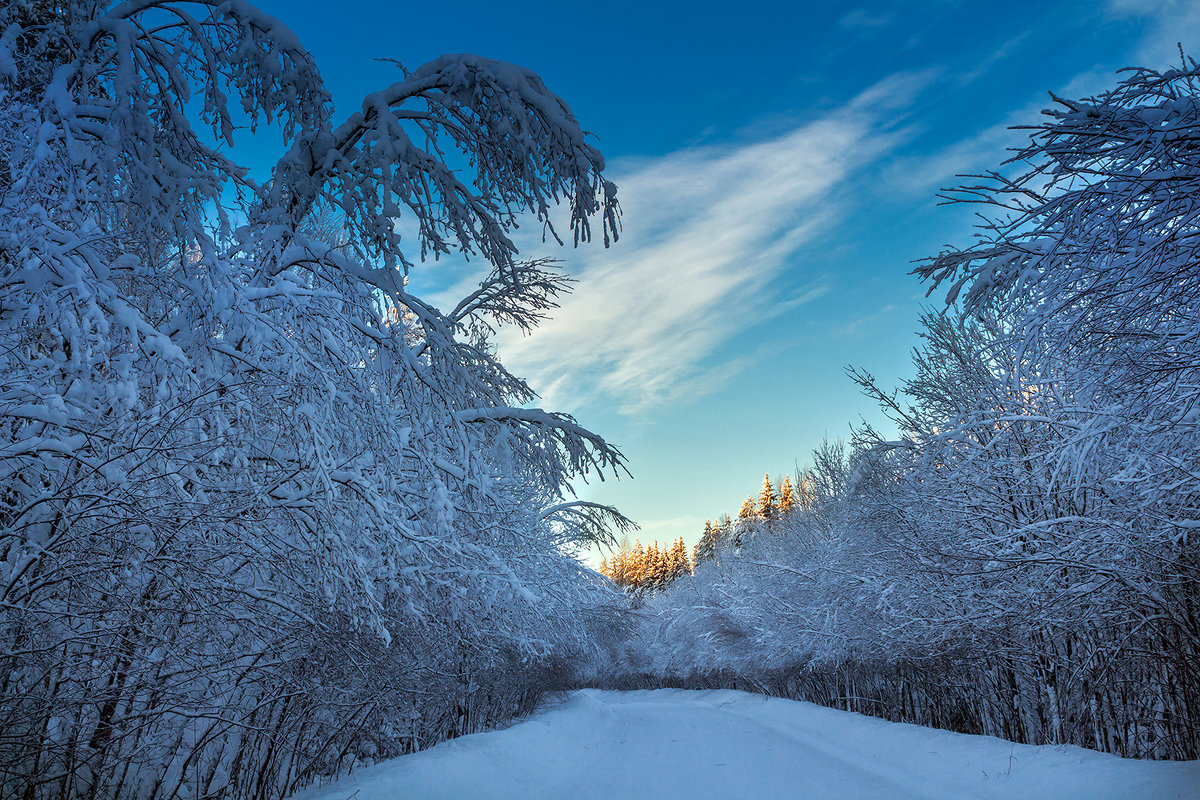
x=707, y=232
x=1171, y=22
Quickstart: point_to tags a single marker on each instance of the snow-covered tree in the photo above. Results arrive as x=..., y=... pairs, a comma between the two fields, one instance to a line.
x=787, y=497
x=766, y=498
x=1093, y=252
x=1021, y=559
x=748, y=511
x=681, y=564
x=637, y=574
x=263, y=509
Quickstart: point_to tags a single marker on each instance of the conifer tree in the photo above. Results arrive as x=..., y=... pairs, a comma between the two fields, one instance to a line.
x=766, y=499
x=619, y=565
x=787, y=497
x=679, y=559
x=653, y=572
x=706, y=547
x=748, y=511
x=636, y=571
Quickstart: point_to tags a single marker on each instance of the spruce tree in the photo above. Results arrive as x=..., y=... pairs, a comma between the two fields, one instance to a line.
x=706, y=547
x=666, y=572
x=653, y=573
x=636, y=572
x=616, y=571
x=787, y=497
x=723, y=531
x=766, y=499
x=748, y=511
x=679, y=559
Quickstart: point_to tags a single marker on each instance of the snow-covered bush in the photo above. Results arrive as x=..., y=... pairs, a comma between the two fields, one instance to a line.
x=263, y=511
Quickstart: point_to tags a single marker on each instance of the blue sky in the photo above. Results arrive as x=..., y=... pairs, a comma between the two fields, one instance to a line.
x=778, y=166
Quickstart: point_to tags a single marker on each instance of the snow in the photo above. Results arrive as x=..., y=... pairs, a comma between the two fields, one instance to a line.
x=672, y=743
x=226, y=424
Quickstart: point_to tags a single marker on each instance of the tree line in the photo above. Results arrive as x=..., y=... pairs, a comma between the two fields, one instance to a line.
x=644, y=569
x=640, y=569
x=774, y=504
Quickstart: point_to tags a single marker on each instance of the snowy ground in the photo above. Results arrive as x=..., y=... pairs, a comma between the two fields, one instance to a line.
x=668, y=744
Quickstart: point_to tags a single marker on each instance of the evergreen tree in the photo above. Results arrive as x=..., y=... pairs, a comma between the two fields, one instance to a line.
x=636, y=571
x=679, y=559
x=666, y=569
x=766, y=499
x=653, y=577
x=707, y=546
x=787, y=497
x=748, y=511
x=618, y=568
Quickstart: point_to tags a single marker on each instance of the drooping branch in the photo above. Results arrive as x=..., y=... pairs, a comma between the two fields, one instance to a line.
x=525, y=148
x=589, y=523
x=581, y=448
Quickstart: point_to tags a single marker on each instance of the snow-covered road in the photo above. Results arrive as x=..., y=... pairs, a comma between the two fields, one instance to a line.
x=668, y=744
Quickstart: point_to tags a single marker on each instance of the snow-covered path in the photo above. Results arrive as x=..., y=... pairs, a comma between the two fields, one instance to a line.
x=668, y=744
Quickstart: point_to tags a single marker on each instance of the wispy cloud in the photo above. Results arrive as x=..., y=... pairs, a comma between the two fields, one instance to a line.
x=1171, y=22
x=864, y=321
x=861, y=18
x=709, y=233
x=1157, y=27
